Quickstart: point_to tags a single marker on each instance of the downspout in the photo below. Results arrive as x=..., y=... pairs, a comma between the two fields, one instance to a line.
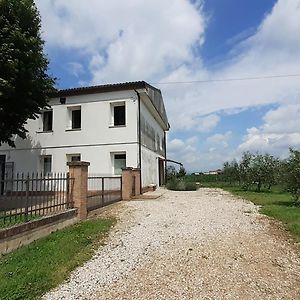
x=165, y=142
x=139, y=139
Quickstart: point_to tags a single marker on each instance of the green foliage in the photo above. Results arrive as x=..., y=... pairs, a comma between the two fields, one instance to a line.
x=258, y=171
x=171, y=173
x=291, y=174
x=231, y=171
x=180, y=184
x=253, y=169
x=32, y=270
x=181, y=172
x=24, y=82
x=262, y=170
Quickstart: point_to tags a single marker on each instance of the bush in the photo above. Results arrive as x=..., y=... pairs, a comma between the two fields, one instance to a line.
x=181, y=185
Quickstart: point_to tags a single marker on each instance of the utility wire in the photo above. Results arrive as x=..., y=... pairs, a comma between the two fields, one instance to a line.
x=228, y=79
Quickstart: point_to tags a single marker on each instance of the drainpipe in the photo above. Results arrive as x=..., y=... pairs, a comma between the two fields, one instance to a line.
x=139, y=137
x=165, y=141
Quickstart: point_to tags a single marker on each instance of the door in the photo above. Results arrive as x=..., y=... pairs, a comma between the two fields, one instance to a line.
x=161, y=171
x=2, y=173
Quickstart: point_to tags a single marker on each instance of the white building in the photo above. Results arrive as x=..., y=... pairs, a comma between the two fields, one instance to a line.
x=110, y=126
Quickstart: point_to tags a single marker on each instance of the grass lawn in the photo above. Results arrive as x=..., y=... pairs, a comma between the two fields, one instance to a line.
x=32, y=270
x=274, y=203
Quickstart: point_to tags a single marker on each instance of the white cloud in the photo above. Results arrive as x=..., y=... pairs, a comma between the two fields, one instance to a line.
x=75, y=68
x=272, y=50
x=184, y=151
x=200, y=124
x=219, y=139
x=175, y=145
x=281, y=130
x=135, y=39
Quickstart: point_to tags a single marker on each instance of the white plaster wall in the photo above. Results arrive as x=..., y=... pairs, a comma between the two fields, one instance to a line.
x=149, y=167
x=96, y=140
x=100, y=158
x=96, y=126
x=150, y=170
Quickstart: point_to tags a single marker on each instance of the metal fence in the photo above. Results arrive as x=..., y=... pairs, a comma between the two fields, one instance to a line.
x=28, y=196
x=103, y=190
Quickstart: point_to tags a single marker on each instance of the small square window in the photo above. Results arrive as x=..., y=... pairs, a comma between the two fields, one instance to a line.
x=47, y=120
x=119, y=163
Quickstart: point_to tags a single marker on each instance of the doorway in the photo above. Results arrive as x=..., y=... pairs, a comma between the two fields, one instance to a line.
x=2, y=173
x=161, y=171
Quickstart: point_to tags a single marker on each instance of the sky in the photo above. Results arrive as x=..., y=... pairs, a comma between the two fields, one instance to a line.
x=189, y=49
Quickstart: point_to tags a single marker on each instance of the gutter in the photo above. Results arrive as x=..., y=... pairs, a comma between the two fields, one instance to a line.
x=139, y=139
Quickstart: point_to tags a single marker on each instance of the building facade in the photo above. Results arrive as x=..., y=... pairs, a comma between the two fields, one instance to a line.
x=111, y=126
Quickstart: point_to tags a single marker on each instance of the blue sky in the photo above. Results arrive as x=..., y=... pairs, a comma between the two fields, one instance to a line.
x=158, y=41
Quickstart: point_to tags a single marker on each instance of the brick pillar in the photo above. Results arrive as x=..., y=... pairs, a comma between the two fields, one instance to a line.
x=126, y=183
x=137, y=174
x=79, y=171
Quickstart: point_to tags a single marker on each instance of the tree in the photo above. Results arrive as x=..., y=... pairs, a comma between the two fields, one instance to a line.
x=24, y=82
x=263, y=170
x=245, y=170
x=171, y=172
x=231, y=171
x=291, y=174
x=181, y=172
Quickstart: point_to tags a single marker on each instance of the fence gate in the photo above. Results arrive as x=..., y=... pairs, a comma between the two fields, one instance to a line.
x=103, y=191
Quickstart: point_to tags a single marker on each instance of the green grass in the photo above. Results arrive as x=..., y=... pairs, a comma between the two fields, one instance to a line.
x=8, y=222
x=32, y=270
x=276, y=204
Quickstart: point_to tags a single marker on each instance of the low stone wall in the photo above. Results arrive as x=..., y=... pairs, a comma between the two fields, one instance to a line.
x=23, y=234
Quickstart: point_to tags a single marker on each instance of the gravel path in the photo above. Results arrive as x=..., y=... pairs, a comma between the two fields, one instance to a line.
x=188, y=245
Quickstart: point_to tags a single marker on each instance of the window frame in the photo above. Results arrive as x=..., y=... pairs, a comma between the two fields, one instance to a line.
x=113, y=105
x=114, y=154
x=43, y=120
x=70, y=123
x=43, y=157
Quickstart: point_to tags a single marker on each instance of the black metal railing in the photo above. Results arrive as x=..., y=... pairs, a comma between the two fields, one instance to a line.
x=28, y=196
x=103, y=190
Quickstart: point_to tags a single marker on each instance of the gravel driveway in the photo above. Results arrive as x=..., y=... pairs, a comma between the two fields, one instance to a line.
x=189, y=245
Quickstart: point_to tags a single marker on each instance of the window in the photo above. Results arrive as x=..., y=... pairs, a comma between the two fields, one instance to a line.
x=119, y=163
x=46, y=164
x=76, y=119
x=73, y=157
x=118, y=114
x=74, y=116
x=47, y=120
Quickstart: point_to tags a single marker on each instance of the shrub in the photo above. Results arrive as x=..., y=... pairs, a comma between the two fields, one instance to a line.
x=181, y=185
